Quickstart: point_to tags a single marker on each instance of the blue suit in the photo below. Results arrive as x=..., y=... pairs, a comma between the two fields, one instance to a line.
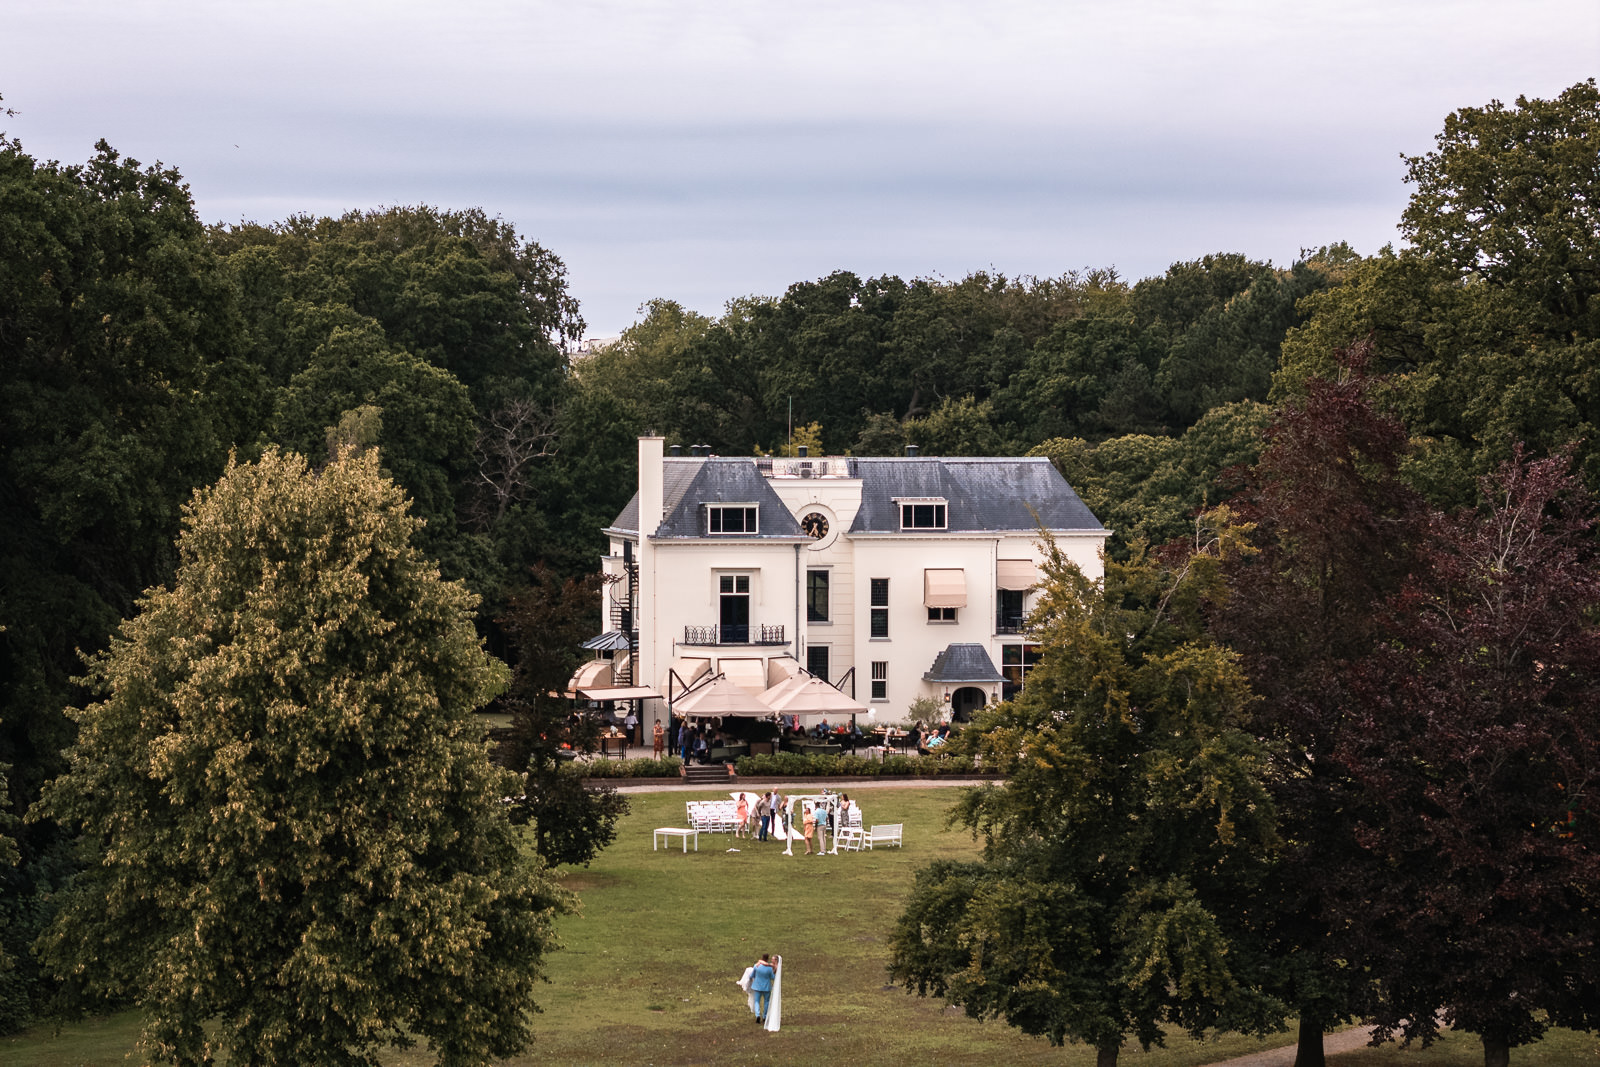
x=761, y=986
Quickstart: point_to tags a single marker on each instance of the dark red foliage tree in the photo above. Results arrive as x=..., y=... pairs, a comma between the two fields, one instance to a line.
x=1475, y=742
x=1335, y=530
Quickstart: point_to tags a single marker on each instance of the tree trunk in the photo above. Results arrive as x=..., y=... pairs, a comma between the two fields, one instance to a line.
x=1106, y=1055
x=1496, y=1053
x=1308, y=1045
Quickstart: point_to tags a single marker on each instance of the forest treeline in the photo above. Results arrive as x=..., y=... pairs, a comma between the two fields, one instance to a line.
x=140, y=348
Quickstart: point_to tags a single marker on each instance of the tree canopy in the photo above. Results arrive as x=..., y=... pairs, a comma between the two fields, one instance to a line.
x=1134, y=817
x=296, y=827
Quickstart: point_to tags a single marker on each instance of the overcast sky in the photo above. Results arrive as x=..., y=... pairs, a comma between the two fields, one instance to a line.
x=702, y=150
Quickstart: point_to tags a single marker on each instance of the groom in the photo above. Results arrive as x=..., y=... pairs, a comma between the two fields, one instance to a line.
x=761, y=986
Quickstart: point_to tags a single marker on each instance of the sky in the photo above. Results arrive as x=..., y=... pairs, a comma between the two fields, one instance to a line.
x=705, y=150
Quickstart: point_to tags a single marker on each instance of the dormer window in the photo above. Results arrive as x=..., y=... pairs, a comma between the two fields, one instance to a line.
x=922, y=514
x=731, y=519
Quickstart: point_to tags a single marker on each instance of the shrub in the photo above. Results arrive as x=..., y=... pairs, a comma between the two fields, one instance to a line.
x=643, y=767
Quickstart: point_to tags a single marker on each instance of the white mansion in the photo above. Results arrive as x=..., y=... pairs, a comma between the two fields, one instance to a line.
x=893, y=578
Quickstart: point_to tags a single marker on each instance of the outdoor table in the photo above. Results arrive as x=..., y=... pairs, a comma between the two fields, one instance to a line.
x=670, y=832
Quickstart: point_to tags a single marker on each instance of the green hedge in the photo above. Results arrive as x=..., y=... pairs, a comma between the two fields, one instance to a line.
x=643, y=767
x=794, y=765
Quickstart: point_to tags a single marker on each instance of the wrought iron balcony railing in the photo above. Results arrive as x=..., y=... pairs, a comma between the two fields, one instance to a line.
x=733, y=635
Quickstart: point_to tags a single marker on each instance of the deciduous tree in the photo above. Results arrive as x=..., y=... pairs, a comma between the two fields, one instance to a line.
x=1133, y=817
x=297, y=832
x=1475, y=739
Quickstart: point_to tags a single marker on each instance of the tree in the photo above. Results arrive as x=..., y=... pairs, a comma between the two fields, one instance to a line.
x=1490, y=321
x=546, y=623
x=1133, y=815
x=299, y=833
x=1333, y=530
x=1475, y=739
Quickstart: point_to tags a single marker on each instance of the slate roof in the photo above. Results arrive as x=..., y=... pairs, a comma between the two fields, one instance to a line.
x=984, y=494
x=963, y=663
x=688, y=484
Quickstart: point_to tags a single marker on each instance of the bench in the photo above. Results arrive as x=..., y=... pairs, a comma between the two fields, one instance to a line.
x=884, y=834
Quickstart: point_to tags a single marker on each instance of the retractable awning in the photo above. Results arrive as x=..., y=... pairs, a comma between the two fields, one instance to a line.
x=748, y=674
x=689, y=670
x=621, y=692
x=946, y=588
x=1015, y=574
x=594, y=674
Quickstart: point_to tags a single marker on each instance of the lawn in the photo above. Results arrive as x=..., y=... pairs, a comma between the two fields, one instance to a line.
x=648, y=968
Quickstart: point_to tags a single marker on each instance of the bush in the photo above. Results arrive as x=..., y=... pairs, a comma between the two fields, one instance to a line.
x=643, y=767
x=794, y=765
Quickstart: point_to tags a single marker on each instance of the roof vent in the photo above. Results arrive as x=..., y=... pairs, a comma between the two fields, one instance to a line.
x=802, y=450
x=675, y=450
x=911, y=450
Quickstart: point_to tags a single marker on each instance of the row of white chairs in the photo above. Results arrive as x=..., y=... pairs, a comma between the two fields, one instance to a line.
x=712, y=816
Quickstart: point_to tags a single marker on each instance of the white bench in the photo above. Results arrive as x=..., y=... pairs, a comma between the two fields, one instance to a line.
x=884, y=834
x=669, y=832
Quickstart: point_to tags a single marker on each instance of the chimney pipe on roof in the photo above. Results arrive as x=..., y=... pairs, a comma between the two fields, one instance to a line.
x=675, y=450
x=911, y=451
x=802, y=451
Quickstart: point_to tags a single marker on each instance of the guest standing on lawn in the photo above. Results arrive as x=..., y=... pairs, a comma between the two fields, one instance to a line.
x=809, y=826
x=741, y=817
x=764, y=812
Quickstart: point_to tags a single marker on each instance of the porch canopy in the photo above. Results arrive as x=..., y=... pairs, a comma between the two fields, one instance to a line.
x=621, y=692
x=688, y=669
x=610, y=641
x=963, y=663
x=720, y=697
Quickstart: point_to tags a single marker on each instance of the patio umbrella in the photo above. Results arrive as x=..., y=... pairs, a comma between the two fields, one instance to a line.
x=721, y=697
x=809, y=695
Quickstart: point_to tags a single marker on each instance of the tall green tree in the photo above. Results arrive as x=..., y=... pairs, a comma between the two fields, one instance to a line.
x=1133, y=817
x=546, y=624
x=1490, y=320
x=297, y=831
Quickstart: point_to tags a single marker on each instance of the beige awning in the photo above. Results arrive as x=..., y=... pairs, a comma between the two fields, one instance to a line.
x=688, y=669
x=781, y=668
x=1015, y=574
x=596, y=674
x=944, y=588
x=748, y=674
x=627, y=692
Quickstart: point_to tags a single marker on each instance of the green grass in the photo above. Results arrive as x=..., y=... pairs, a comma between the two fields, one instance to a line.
x=648, y=968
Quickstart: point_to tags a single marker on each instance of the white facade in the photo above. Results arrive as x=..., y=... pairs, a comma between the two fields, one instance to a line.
x=863, y=570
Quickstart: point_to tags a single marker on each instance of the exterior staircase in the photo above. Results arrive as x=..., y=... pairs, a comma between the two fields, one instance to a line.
x=710, y=775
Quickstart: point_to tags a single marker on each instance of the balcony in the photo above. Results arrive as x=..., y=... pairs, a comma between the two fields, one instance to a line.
x=1006, y=623
x=733, y=635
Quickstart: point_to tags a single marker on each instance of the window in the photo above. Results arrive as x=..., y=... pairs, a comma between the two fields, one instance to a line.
x=922, y=516
x=941, y=614
x=880, y=608
x=731, y=518
x=733, y=619
x=816, y=596
x=817, y=660
x=1015, y=662
x=1009, y=615
x=880, y=679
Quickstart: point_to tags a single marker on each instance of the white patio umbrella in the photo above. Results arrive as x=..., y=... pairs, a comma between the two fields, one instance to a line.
x=721, y=697
x=806, y=694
